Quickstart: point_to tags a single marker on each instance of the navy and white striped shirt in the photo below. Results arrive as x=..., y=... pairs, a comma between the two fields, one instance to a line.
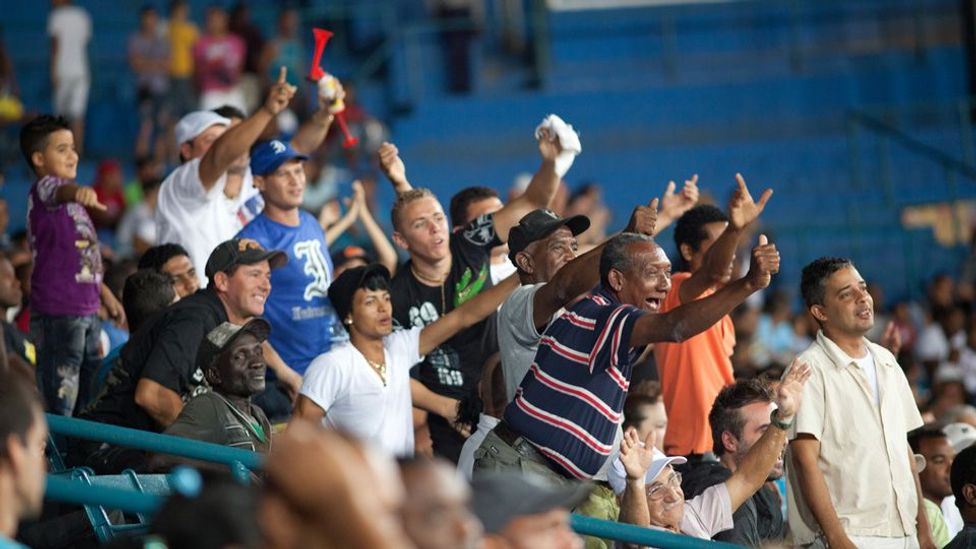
x=570, y=403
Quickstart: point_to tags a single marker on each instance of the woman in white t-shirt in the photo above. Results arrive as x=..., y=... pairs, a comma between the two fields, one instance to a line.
x=363, y=386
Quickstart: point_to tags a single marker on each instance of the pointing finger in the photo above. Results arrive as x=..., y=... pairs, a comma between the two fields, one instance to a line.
x=742, y=183
x=670, y=189
x=282, y=74
x=766, y=195
x=653, y=204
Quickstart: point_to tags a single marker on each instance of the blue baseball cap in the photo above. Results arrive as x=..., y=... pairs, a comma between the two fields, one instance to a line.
x=267, y=156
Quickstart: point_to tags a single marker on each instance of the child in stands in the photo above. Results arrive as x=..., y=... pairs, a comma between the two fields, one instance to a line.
x=66, y=283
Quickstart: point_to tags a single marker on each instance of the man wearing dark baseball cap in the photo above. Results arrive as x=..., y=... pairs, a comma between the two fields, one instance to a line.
x=233, y=363
x=525, y=511
x=157, y=370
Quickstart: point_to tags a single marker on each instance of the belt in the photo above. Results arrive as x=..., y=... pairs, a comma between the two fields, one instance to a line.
x=504, y=432
x=521, y=445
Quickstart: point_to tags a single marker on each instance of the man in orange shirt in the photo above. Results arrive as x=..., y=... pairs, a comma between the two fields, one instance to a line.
x=693, y=372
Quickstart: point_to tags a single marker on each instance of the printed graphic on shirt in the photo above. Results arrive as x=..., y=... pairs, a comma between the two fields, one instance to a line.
x=481, y=231
x=87, y=244
x=310, y=251
x=423, y=315
x=444, y=361
x=466, y=288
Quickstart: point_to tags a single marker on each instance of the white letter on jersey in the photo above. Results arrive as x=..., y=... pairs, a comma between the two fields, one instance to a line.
x=315, y=267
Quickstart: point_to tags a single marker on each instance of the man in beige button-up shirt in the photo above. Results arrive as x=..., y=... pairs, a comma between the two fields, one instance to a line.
x=851, y=482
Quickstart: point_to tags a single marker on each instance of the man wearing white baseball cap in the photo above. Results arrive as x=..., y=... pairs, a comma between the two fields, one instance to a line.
x=200, y=201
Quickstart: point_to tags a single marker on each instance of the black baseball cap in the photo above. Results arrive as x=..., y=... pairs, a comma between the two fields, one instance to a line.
x=241, y=251
x=539, y=224
x=220, y=339
x=499, y=497
x=342, y=288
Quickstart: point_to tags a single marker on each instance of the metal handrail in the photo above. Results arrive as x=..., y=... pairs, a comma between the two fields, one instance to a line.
x=77, y=492
x=154, y=442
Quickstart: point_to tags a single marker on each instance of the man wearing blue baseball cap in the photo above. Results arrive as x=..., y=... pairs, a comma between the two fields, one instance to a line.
x=298, y=307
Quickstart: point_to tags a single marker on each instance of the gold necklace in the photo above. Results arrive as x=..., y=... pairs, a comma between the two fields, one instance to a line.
x=380, y=369
x=434, y=282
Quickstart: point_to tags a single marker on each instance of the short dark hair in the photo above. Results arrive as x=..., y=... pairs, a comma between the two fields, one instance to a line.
x=34, y=135
x=690, y=228
x=230, y=111
x=615, y=254
x=463, y=199
x=813, y=281
x=229, y=509
x=632, y=409
x=20, y=407
x=725, y=415
x=924, y=432
x=963, y=472
x=146, y=292
x=157, y=256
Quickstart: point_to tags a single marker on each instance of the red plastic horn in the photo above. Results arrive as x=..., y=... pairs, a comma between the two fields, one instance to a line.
x=315, y=73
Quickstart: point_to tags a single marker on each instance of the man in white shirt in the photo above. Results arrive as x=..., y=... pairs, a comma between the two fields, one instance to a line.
x=852, y=482
x=70, y=29
x=200, y=202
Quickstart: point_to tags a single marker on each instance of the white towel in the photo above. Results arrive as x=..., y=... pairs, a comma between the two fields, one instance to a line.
x=569, y=141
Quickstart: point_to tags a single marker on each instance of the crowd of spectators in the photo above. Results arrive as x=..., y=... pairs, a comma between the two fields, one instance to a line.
x=513, y=362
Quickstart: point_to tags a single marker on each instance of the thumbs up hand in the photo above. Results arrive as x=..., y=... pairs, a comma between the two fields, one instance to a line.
x=765, y=263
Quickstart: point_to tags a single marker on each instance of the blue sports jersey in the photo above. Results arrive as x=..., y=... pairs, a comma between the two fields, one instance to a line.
x=298, y=308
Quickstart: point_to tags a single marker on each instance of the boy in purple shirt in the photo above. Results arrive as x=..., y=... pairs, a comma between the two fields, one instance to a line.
x=66, y=283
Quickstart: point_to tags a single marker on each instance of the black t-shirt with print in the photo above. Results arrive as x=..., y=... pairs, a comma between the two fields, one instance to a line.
x=454, y=368
x=163, y=350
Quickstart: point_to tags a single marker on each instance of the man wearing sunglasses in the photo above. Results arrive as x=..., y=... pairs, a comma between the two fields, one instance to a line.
x=653, y=496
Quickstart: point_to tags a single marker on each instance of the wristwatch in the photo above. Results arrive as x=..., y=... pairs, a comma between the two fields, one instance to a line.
x=774, y=419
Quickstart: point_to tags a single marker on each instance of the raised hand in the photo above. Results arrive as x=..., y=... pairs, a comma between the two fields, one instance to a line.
x=392, y=164
x=765, y=263
x=549, y=146
x=643, y=219
x=636, y=455
x=790, y=390
x=86, y=197
x=331, y=94
x=280, y=94
x=675, y=205
x=358, y=194
x=743, y=210
x=891, y=339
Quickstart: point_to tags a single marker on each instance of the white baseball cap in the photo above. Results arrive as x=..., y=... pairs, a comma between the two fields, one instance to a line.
x=194, y=123
x=660, y=462
x=960, y=435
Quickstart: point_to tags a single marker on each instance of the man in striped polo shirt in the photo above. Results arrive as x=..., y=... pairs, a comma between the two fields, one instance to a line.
x=568, y=407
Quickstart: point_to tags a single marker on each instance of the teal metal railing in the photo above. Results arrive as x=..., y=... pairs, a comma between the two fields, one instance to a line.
x=241, y=462
x=83, y=493
x=71, y=491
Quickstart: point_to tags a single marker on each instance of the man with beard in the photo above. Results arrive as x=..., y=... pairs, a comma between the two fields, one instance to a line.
x=853, y=481
x=739, y=417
